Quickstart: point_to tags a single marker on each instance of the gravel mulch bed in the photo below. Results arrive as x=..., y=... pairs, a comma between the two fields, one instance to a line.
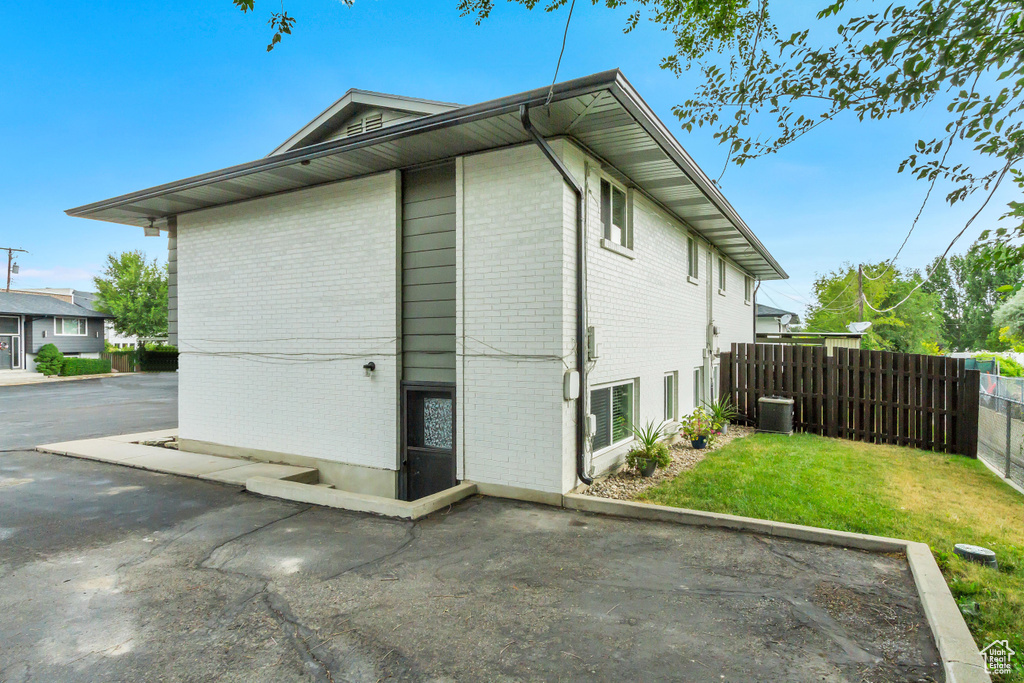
x=627, y=485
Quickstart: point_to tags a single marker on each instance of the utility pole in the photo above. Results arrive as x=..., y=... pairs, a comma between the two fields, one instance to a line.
x=860, y=290
x=10, y=260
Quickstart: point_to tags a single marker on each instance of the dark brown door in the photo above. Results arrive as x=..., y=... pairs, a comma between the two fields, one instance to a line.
x=428, y=440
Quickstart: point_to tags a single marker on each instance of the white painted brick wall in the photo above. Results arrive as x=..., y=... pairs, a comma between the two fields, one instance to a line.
x=734, y=316
x=315, y=271
x=649, y=319
x=510, y=254
x=305, y=272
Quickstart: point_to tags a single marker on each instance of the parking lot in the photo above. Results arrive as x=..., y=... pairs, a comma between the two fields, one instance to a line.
x=109, y=573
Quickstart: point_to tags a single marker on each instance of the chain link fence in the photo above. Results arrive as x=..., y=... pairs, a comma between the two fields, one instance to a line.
x=1001, y=425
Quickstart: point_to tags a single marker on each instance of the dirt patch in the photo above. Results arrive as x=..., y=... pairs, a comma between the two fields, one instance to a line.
x=892, y=626
x=625, y=484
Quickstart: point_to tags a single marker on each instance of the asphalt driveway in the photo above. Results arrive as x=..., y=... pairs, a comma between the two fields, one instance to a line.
x=110, y=573
x=34, y=414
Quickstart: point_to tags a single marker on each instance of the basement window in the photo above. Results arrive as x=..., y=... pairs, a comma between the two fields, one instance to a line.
x=69, y=327
x=614, y=215
x=671, y=379
x=612, y=406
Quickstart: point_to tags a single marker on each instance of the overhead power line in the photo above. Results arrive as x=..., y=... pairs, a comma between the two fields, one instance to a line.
x=565, y=36
x=942, y=258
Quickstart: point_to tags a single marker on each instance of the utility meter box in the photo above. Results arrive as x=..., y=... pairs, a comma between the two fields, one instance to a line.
x=775, y=415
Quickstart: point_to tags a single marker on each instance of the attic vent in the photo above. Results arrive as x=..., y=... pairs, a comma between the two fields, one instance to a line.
x=371, y=122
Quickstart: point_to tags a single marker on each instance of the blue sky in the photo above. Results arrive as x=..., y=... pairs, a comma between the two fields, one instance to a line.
x=103, y=98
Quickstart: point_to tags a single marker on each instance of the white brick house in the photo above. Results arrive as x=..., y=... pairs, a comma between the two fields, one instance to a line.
x=439, y=245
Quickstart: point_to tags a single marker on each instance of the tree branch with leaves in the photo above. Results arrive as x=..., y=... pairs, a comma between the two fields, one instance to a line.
x=965, y=55
x=281, y=23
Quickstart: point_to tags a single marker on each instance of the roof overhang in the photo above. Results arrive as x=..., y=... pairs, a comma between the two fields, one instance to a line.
x=602, y=112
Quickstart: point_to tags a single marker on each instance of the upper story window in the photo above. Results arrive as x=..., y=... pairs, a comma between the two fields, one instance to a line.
x=748, y=289
x=692, y=256
x=615, y=214
x=74, y=327
x=721, y=274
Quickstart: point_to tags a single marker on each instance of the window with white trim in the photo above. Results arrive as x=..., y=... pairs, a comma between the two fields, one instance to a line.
x=615, y=214
x=693, y=257
x=748, y=288
x=721, y=274
x=612, y=408
x=671, y=400
x=698, y=387
x=70, y=327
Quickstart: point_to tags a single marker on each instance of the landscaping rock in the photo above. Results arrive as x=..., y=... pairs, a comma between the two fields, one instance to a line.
x=625, y=484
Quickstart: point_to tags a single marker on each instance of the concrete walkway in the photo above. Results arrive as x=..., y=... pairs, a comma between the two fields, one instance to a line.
x=125, y=450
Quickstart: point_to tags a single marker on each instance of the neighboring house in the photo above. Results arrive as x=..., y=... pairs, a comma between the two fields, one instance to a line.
x=770, y=320
x=29, y=321
x=393, y=295
x=88, y=300
x=776, y=326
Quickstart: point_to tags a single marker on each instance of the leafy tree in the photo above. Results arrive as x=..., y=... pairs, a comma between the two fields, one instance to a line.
x=963, y=54
x=134, y=291
x=915, y=326
x=1010, y=316
x=969, y=289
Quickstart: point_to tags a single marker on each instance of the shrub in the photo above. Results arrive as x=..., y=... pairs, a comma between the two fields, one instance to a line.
x=161, y=348
x=84, y=366
x=697, y=424
x=649, y=446
x=723, y=412
x=658, y=453
x=161, y=359
x=49, y=360
x=1008, y=367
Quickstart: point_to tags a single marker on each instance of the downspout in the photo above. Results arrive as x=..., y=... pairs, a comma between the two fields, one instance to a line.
x=581, y=294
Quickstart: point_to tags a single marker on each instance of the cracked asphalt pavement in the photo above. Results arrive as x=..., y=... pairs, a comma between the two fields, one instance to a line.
x=114, y=574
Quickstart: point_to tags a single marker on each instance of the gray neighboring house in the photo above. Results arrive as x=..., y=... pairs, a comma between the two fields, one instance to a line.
x=30, y=321
x=88, y=300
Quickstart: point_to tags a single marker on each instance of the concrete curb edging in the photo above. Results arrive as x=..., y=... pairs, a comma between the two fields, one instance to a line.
x=358, y=502
x=71, y=378
x=961, y=660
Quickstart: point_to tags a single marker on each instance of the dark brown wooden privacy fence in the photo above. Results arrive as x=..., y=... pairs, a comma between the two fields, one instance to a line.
x=928, y=402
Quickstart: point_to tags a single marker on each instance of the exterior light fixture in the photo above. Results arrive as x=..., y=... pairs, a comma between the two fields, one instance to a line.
x=151, y=230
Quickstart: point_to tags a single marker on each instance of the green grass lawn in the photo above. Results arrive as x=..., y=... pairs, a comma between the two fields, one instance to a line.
x=882, y=490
